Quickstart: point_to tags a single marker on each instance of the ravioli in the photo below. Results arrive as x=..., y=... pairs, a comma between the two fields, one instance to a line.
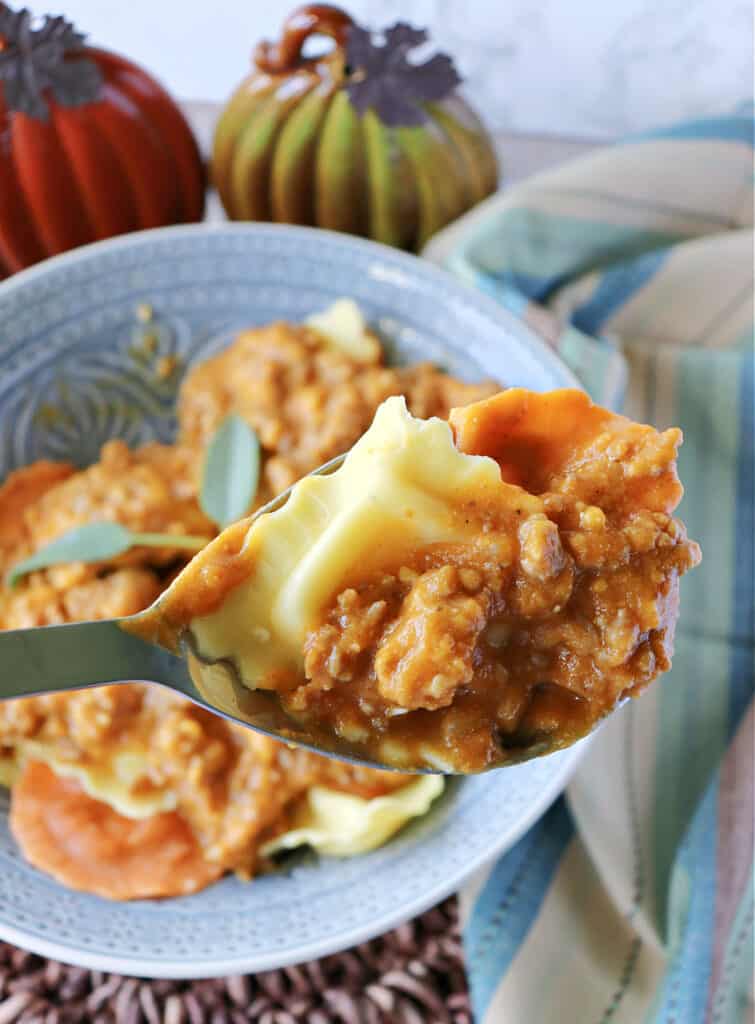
x=343, y=327
x=454, y=601
x=159, y=772
x=343, y=825
x=90, y=833
x=162, y=797
x=398, y=489
x=121, y=779
x=86, y=845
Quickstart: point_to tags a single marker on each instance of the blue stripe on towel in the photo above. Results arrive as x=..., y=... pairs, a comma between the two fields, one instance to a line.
x=683, y=994
x=615, y=288
x=510, y=901
x=723, y=129
x=535, y=252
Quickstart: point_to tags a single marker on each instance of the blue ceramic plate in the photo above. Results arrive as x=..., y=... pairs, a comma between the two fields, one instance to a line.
x=69, y=380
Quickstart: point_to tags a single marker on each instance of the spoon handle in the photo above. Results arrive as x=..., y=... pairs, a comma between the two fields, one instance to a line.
x=52, y=658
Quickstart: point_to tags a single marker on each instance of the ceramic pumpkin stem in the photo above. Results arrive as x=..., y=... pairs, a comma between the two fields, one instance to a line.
x=364, y=138
x=310, y=20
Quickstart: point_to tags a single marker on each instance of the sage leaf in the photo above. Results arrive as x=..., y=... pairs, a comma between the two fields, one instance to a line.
x=91, y=543
x=98, y=542
x=231, y=472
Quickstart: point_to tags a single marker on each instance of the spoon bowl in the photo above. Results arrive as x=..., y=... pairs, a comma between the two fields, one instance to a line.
x=52, y=659
x=75, y=656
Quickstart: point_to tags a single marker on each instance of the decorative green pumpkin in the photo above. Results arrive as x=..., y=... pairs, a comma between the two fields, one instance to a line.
x=357, y=140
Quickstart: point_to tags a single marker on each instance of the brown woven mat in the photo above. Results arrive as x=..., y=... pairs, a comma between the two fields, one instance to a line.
x=412, y=975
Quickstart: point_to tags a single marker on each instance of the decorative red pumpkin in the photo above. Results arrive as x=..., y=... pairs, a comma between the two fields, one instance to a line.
x=90, y=145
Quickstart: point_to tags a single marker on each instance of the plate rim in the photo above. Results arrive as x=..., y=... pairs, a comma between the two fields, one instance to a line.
x=489, y=306
x=315, y=948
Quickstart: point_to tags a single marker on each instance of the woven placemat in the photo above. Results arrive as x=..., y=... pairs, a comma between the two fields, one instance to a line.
x=411, y=975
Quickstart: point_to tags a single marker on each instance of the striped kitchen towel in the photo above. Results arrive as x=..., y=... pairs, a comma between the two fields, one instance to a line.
x=631, y=900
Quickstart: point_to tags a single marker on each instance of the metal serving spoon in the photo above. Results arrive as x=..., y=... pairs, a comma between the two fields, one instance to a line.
x=51, y=659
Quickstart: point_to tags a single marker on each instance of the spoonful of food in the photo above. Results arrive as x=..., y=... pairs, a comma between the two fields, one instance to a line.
x=448, y=597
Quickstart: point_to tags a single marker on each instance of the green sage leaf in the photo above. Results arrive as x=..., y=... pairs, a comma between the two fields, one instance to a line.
x=98, y=542
x=91, y=543
x=231, y=472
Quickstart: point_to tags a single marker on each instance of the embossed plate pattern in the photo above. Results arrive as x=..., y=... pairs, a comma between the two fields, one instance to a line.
x=73, y=373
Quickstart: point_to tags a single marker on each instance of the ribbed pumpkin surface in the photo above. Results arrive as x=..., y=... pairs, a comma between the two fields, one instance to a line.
x=125, y=162
x=291, y=148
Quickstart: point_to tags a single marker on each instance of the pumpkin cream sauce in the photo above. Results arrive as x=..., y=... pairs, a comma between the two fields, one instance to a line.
x=456, y=597
x=129, y=791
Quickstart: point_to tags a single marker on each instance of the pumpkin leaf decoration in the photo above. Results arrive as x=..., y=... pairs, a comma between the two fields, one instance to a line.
x=98, y=542
x=33, y=64
x=231, y=472
x=382, y=78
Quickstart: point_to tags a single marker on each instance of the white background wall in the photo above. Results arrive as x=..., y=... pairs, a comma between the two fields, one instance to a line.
x=591, y=68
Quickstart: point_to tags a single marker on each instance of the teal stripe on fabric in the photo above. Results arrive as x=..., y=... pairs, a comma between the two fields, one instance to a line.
x=725, y=129
x=745, y=340
x=615, y=288
x=535, y=252
x=694, y=704
x=741, y=665
x=509, y=902
x=732, y=996
x=693, y=718
x=706, y=399
x=527, y=252
x=684, y=991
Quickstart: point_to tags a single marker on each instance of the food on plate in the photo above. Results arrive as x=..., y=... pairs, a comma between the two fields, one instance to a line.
x=129, y=791
x=456, y=595
x=86, y=844
x=308, y=394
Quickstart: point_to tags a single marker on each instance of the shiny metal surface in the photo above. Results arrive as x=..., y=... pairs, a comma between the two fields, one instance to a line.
x=51, y=659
